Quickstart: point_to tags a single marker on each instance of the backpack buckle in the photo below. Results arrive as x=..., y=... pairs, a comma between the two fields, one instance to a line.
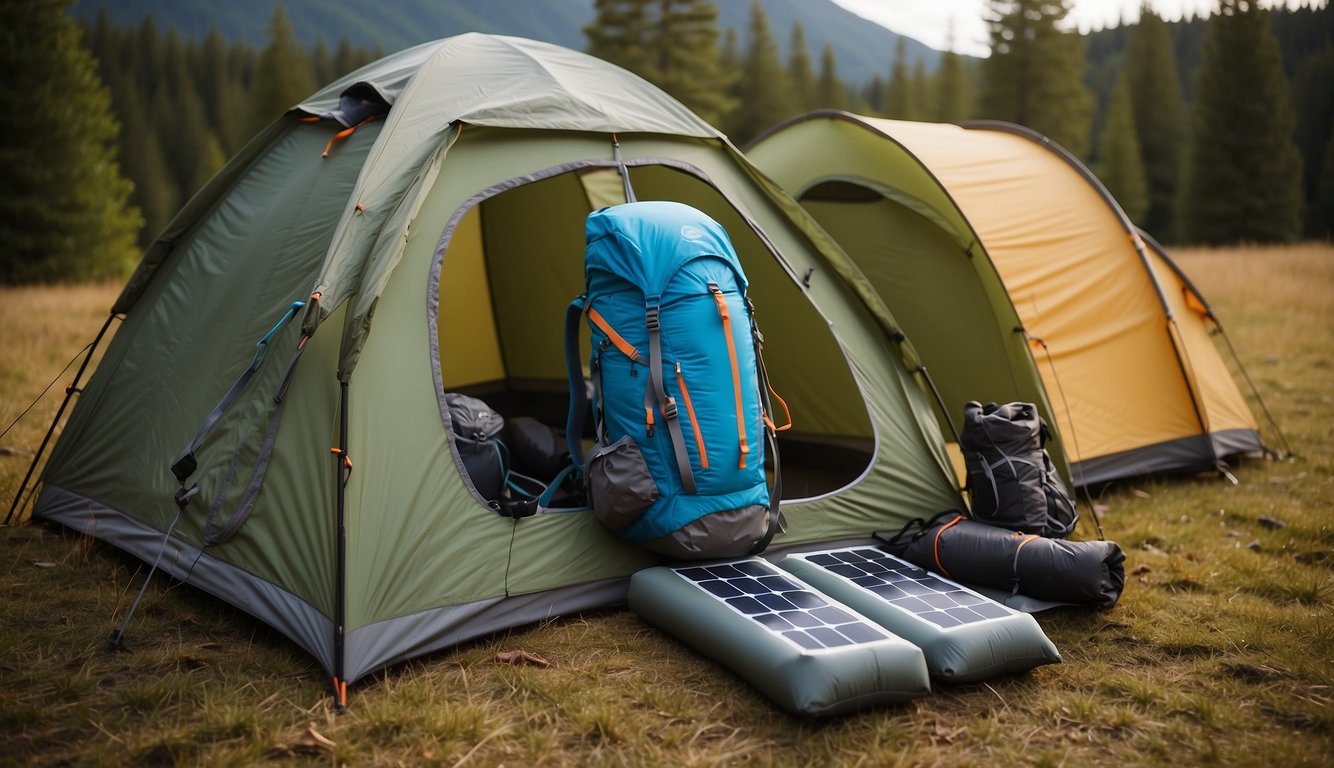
x=651, y=317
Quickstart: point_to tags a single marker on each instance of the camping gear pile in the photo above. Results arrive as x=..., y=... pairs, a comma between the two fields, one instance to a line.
x=415, y=471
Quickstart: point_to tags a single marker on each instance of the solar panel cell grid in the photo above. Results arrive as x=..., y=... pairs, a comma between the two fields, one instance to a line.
x=790, y=610
x=908, y=587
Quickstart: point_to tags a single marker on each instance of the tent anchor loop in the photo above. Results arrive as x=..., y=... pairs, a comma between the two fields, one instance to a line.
x=1228, y=476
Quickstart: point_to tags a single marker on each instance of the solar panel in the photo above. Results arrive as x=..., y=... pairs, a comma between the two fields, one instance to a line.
x=913, y=590
x=793, y=611
x=963, y=634
x=802, y=648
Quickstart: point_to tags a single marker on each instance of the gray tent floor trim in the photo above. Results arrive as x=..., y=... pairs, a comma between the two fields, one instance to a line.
x=368, y=648
x=1196, y=453
x=277, y=607
x=406, y=637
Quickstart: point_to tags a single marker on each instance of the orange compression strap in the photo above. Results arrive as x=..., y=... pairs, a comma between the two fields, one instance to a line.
x=935, y=544
x=625, y=347
x=694, y=423
x=726, y=316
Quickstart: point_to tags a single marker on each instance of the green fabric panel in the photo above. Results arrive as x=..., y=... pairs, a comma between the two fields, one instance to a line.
x=934, y=292
x=828, y=681
x=189, y=337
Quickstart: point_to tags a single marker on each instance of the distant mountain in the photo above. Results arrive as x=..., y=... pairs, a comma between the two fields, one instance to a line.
x=863, y=49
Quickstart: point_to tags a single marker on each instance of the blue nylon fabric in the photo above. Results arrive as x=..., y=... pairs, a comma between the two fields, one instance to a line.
x=674, y=251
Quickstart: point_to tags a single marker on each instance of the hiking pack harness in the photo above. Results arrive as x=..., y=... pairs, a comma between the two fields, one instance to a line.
x=681, y=408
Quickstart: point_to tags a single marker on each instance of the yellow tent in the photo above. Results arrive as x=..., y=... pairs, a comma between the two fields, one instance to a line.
x=1122, y=339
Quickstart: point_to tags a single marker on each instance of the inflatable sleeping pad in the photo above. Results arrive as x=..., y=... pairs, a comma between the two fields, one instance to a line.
x=964, y=635
x=802, y=649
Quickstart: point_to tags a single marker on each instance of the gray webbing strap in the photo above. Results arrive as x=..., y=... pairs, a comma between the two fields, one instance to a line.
x=185, y=466
x=666, y=405
x=250, y=495
x=776, y=521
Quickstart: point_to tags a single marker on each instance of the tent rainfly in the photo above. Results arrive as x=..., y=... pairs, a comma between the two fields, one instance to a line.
x=1121, y=337
x=420, y=224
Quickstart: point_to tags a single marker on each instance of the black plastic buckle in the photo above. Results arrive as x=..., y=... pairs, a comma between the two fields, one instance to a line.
x=184, y=495
x=651, y=317
x=517, y=508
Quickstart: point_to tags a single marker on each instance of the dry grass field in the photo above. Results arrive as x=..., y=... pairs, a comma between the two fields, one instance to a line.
x=1220, y=652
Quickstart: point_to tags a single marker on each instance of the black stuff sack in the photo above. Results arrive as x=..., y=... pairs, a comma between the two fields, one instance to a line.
x=1013, y=481
x=1089, y=573
x=476, y=428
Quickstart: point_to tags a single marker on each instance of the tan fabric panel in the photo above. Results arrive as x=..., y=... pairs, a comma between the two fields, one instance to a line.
x=1221, y=403
x=1076, y=281
x=465, y=299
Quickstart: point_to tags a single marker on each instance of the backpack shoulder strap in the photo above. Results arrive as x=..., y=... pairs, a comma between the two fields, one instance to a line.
x=578, y=412
x=666, y=404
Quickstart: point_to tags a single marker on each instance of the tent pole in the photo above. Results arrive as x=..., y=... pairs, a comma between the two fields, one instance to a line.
x=69, y=395
x=340, y=575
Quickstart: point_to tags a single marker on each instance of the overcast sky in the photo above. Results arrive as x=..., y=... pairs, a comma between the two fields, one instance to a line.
x=931, y=22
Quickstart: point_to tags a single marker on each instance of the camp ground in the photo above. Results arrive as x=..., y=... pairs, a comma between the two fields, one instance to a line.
x=1121, y=338
x=269, y=423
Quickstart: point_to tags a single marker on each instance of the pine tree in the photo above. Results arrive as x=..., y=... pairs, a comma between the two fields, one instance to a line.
x=672, y=44
x=1315, y=119
x=1034, y=76
x=1155, y=94
x=64, y=211
x=766, y=95
x=1119, y=166
x=919, y=106
x=1243, y=171
x=620, y=34
x=284, y=77
x=898, y=94
x=1321, y=214
x=800, y=70
x=830, y=92
x=686, y=60
x=952, y=96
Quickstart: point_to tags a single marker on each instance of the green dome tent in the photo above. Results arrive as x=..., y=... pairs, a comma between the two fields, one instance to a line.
x=429, y=211
x=1120, y=336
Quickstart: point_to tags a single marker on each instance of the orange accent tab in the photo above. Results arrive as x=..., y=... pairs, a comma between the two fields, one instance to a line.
x=648, y=421
x=787, y=413
x=340, y=692
x=316, y=296
x=726, y=315
x=625, y=347
x=694, y=423
x=347, y=460
x=311, y=119
x=343, y=134
x=935, y=544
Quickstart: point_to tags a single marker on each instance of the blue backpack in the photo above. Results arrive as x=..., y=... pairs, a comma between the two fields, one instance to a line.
x=679, y=390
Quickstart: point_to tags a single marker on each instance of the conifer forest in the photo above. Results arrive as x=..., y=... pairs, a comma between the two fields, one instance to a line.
x=1214, y=130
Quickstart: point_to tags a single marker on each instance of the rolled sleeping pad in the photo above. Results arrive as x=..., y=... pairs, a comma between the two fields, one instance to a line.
x=804, y=650
x=963, y=635
x=1088, y=573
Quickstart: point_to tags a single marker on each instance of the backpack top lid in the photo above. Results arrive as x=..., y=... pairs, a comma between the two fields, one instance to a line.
x=647, y=242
